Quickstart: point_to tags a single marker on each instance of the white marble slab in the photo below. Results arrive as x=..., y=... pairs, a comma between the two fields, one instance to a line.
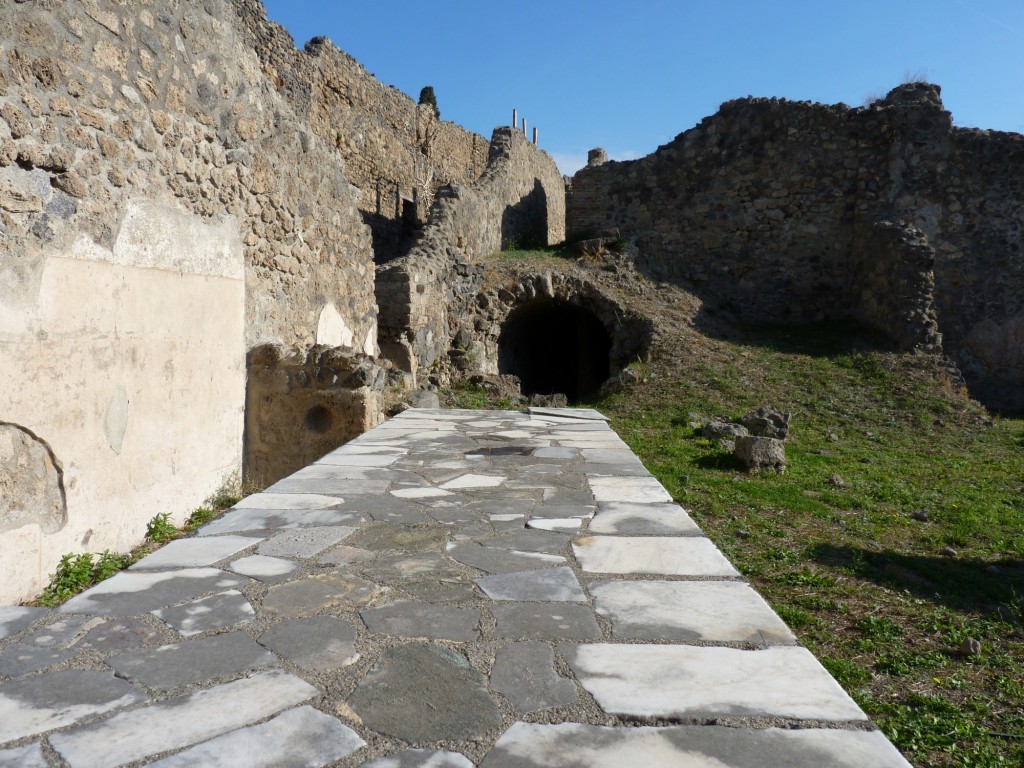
x=181, y=722
x=630, y=517
x=671, y=681
x=287, y=501
x=644, y=489
x=474, y=481
x=188, y=553
x=661, y=555
x=719, y=611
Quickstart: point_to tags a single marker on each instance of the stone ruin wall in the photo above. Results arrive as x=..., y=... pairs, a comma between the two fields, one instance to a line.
x=796, y=212
x=393, y=148
x=162, y=210
x=426, y=297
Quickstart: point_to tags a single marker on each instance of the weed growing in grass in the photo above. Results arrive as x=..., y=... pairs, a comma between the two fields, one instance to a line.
x=160, y=529
x=76, y=573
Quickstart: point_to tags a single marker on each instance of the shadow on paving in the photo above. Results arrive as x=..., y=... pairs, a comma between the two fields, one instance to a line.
x=960, y=584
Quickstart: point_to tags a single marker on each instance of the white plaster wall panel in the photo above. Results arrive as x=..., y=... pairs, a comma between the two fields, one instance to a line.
x=134, y=377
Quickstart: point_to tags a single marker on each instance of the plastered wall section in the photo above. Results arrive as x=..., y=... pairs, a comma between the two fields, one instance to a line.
x=127, y=364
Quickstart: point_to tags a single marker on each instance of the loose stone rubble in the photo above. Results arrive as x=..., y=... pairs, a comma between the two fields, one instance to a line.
x=409, y=600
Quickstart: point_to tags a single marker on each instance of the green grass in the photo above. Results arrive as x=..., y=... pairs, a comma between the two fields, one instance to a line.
x=864, y=585
x=76, y=573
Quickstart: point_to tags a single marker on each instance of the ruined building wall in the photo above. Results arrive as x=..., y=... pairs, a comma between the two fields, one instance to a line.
x=162, y=210
x=794, y=212
x=424, y=296
x=392, y=147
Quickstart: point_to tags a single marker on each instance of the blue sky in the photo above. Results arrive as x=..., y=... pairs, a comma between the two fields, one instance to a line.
x=631, y=75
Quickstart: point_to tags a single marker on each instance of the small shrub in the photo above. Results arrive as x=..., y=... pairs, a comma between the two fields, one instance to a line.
x=161, y=529
x=76, y=573
x=199, y=518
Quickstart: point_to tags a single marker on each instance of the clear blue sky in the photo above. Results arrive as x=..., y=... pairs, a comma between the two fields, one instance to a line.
x=629, y=76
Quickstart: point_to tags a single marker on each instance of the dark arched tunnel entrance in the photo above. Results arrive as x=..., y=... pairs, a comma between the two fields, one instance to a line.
x=554, y=346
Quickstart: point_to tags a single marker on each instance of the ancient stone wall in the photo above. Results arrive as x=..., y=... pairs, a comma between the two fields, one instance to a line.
x=302, y=404
x=393, y=148
x=424, y=297
x=162, y=209
x=794, y=212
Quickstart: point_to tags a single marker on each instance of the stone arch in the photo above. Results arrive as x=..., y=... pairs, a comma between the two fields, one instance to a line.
x=563, y=311
x=555, y=346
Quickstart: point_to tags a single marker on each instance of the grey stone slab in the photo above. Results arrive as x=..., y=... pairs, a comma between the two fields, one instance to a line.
x=314, y=594
x=425, y=693
x=346, y=555
x=681, y=681
x=454, y=515
x=304, y=542
x=194, y=661
x=524, y=673
x=382, y=537
x=625, y=488
x=269, y=570
x=661, y=555
x=718, y=611
x=37, y=704
x=503, y=506
x=225, y=609
x=443, y=589
x=419, y=492
x=545, y=621
x=131, y=593
x=118, y=634
x=299, y=738
x=504, y=522
x=387, y=508
x=30, y=756
x=393, y=568
x=316, y=644
x=567, y=497
x=652, y=519
x=407, y=618
x=421, y=758
x=190, y=553
x=359, y=459
x=494, y=560
x=529, y=541
x=535, y=745
x=554, y=584
x=63, y=631
x=14, y=618
x=274, y=519
x=181, y=722
x=17, y=660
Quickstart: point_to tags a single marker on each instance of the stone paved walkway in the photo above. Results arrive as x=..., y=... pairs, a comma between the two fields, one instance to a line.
x=453, y=588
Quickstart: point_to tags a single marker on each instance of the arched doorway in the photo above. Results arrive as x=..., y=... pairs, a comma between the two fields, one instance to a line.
x=554, y=346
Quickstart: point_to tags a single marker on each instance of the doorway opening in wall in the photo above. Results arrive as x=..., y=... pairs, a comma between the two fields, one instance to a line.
x=554, y=346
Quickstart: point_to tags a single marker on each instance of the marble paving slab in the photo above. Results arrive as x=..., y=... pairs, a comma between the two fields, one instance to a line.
x=398, y=604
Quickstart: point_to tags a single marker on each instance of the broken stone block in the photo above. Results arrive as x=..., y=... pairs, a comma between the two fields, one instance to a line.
x=767, y=422
x=758, y=453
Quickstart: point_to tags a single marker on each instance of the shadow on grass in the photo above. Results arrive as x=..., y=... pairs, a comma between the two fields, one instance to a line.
x=722, y=462
x=959, y=584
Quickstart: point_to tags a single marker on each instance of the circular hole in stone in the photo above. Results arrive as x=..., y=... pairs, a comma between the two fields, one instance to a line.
x=318, y=419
